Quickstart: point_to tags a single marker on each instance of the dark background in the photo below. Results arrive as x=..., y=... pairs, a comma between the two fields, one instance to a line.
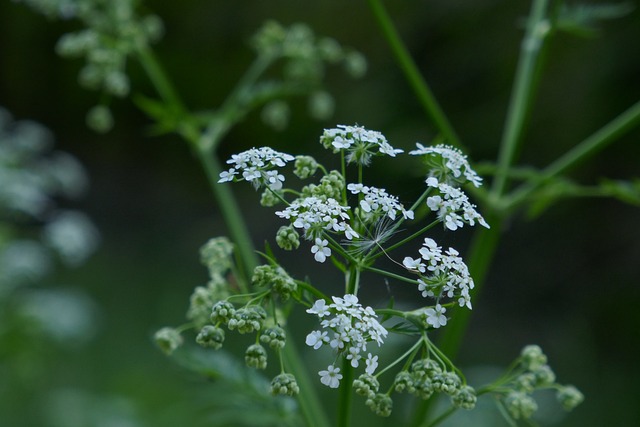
x=568, y=280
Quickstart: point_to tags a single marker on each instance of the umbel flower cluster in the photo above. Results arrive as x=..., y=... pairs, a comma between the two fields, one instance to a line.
x=352, y=225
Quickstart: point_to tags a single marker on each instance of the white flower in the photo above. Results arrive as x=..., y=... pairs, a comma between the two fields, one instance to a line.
x=257, y=166
x=449, y=205
x=320, y=308
x=348, y=328
x=331, y=377
x=321, y=250
x=378, y=202
x=315, y=214
x=316, y=339
x=413, y=264
x=359, y=143
x=435, y=316
x=447, y=273
x=372, y=364
x=454, y=160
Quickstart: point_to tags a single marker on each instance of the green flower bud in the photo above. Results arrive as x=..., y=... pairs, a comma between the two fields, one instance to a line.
x=404, y=382
x=532, y=357
x=526, y=382
x=520, y=405
x=446, y=382
x=268, y=199
x=330, y=49
x=355, y=64
x=569, y=397
x=248, y=319
x=276, y=278
x=425, y=368
x=117, y=84
x=288, y=238
x=99, y=119
x=321, y=105
x=274, y=337
x=211, y=337
x=284, y=384
x=465, y=398
x=276, y=114
x=216, y=255
x=424, y=388
x=256, y=357
x=366, y=385
x=168, y=339
x=380, y=404
x=544, y=376
x=222, y=312
x=305, y=167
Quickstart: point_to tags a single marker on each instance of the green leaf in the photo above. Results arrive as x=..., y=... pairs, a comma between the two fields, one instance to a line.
x=625, y=191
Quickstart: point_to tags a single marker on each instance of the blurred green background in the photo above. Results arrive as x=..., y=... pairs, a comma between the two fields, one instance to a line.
x=568, y=280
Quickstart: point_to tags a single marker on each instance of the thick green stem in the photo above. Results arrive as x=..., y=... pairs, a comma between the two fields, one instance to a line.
x=412, y=74
x=346, y=394
x=522, y=93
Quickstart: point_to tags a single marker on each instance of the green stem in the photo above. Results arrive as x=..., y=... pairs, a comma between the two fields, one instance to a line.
x=440, y=418
x=310, y=405
x=346, y=394
x=412, y=74
x=613, y=130
x=522, y=93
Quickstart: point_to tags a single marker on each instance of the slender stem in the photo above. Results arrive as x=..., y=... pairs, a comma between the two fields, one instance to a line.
x=346, y=394
x=440, y=418
x=522, y=93
x=310, y=405
x=231, y=213
x=612, y=131
x=407, y=353
x=403, y=241
x=481, y=254
x=389, y=274
x=412, y=74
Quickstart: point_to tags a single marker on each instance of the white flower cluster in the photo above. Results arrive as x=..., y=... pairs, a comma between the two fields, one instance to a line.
x=348, y=328
x=453, y=206
x=257, y=166
x=359, y=142
x=378, y=201
x=448, y=274
x=454, y=160
x=315, y=215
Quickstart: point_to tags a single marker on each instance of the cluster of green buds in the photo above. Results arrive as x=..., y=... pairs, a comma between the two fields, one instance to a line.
x=531, y=373
x=305, y=57
x=113, y=32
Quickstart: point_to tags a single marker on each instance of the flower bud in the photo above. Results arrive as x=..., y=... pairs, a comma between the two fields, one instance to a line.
x=569, y=397
x=288, y=238
x=168, y=339
x=211, y=337
x=284, y=384
x=520, y=405
x=366, y=385
x=380, y=404
x=533, y=357
x=222, y=312
x=274, y=337
x=404, y=382
x=465, y=398
x=256, y=357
